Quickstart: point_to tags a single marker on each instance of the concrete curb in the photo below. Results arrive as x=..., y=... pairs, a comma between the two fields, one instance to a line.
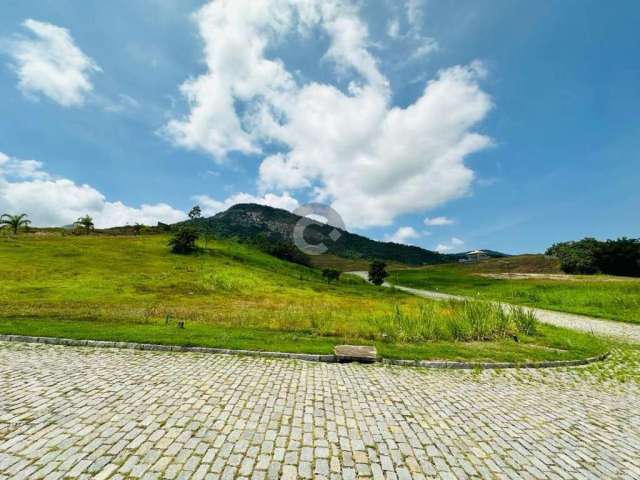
x=296, y=356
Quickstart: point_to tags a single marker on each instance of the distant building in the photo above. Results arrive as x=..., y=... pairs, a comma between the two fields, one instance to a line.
x=475, y=256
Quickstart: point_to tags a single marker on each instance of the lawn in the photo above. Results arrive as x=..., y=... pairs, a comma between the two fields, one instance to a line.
x=131, y=288
x=598, y=296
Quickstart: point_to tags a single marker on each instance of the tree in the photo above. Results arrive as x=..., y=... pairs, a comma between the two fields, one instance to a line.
x=195, y=212
x=378, y=272
x=331, y=274
x=588, y=256
x=14, y=222
x=138, y=228
x=86, y=223
x=184, y=241
x=619, y=257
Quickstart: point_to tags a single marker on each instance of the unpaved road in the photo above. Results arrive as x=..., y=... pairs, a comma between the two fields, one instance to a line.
x=607, y=328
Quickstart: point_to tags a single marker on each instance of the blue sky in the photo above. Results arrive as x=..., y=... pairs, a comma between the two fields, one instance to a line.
x=473, y=124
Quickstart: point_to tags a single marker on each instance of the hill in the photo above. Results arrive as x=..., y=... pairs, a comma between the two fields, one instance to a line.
x=229, y=295
x=252, y=223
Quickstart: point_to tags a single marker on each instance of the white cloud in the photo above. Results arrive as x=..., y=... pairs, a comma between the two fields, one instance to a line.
x=453, y=243
x=393, y=28
x=371, y=160
x=438, y=221
x=211, y=206
x=50, y=201
x=403, y=235
x=414, y=12
x=236, y=35
x=49, y=63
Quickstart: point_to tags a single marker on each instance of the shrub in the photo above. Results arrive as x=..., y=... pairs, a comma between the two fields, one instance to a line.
x=184, y=241
x=331, y=275
x=378, y=272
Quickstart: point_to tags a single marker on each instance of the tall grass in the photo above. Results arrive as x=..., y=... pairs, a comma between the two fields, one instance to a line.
x=600, y=296
x=463, y=321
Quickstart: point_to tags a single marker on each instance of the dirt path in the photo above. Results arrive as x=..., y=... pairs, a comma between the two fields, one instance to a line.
x=607, y=328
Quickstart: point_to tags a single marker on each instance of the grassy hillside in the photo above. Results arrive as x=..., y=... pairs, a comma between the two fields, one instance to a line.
x=614, y=298
x=230, y=295
x=515, y=264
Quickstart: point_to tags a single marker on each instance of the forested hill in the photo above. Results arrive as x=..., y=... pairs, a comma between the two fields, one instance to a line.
x=251, y=222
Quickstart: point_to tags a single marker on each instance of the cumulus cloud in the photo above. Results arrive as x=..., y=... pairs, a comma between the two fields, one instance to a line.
x=442, y=248
x=438, y=221
x=211, y=206
x=351, y=147
x=453, y=243
x=48, y=62
x=51, y=201
x=404, y=235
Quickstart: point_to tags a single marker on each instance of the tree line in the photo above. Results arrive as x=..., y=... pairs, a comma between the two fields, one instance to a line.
x=590, y=256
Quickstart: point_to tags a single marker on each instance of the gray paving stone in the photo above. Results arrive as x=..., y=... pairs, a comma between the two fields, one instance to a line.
x=84, y=412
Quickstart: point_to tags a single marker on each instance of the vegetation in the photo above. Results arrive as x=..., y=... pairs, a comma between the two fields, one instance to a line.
x=85, y=223
x=14, y=222
x=245, y=222
x=331, y=275
x=461, y=321
x=613, y=298
x=235, y=296
x=378, y=272
x=184, y=240
x=195, y=212
x=590, y=256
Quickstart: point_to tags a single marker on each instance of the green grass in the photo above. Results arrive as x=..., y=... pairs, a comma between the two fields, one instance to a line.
x=550, y=343
x=597, y=296
x=125, y=288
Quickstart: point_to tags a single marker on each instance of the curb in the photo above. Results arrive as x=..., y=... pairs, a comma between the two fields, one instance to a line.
x=493, y=365
x=297, y=356
x=164, y=348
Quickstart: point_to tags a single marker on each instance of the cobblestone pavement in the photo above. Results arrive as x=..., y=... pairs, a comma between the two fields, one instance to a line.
x=72, y=412
x=619, y=330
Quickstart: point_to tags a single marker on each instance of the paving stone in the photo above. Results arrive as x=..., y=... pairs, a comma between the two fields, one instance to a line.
x=85, y=413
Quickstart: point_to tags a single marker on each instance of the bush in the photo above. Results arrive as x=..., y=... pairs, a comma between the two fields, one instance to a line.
x=184, y=241
x=331, y=275
x=378, y=272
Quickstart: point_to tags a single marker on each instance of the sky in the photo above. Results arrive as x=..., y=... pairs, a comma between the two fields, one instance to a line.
x=497, y=124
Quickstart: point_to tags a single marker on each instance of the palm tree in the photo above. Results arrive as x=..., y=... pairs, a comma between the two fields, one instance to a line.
x=85, y=222
x=14, y=222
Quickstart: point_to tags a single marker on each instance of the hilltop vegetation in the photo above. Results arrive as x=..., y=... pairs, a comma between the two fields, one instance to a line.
x=234, y=296
x=250, y=223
